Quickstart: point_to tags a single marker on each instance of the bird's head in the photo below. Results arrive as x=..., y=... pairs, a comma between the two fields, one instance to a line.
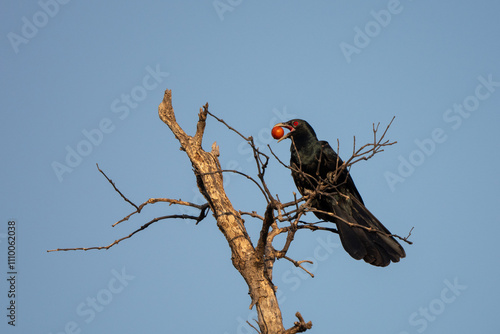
x=298, y=129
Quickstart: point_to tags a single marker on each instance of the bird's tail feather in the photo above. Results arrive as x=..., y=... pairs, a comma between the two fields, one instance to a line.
x=375, y=246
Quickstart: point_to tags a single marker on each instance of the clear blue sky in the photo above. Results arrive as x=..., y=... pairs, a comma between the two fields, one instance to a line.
x=81, y=85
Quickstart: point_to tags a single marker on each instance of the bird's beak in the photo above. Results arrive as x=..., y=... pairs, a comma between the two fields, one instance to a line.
x=286, y=126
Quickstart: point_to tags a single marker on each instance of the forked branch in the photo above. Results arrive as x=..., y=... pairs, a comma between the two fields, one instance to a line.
x=299, y=326
x=203, y=213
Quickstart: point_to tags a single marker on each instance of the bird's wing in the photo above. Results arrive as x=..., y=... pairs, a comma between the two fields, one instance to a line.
x=332, y=162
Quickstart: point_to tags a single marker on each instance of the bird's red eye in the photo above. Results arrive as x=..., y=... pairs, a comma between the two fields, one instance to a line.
x=295, y=123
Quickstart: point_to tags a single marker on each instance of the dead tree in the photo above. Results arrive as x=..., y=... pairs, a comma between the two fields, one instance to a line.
x=253, y=261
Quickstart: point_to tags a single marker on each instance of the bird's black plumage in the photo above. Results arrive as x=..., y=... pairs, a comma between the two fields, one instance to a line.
x=314, y=163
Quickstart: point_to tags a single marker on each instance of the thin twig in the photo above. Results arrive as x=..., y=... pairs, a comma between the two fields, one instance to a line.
x=406, y=238
x=126, y=237
x=299, y=264
x=376, y=146
x=281, y=162
x=228, y=126
x=253, y=214
x=156, y=200
x=118, y=191
x=253, y=327
x=312, y=227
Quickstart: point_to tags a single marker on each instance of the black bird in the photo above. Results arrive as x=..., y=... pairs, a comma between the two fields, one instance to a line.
x=313, y=164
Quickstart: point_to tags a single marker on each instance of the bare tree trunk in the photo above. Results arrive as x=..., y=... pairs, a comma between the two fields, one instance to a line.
x=245, y=258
